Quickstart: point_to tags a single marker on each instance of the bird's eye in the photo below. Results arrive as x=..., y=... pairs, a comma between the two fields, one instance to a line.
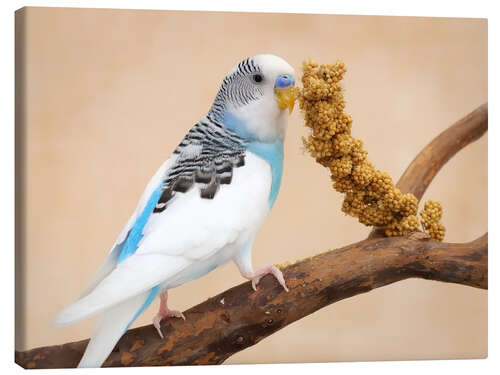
x=257, y=78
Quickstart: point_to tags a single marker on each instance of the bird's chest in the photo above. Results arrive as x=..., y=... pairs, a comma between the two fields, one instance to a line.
x=247, y=199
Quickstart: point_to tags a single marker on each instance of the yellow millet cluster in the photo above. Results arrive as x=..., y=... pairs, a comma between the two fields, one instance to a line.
x=430, y=217
x=370, y=194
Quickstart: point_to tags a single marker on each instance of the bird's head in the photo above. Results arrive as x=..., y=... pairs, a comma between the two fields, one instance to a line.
x=256, y=98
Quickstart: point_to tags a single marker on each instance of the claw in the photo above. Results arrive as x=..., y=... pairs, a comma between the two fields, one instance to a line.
x=269, y=269
x=165, y=312
x=156, y=323
x=177, y=314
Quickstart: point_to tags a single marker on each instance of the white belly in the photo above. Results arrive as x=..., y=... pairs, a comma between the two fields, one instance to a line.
x=201, y=267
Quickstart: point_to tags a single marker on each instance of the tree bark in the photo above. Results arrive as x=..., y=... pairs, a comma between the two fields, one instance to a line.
x=239, y=317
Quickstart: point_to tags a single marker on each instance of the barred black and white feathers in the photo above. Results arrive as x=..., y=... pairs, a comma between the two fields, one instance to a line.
x=239, y=88
x=206, y=156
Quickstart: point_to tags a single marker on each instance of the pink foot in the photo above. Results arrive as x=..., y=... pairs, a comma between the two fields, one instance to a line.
x=264, y=270
x=165, y=312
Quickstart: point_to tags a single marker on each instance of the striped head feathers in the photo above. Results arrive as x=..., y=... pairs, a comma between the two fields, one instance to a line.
x=247, y=101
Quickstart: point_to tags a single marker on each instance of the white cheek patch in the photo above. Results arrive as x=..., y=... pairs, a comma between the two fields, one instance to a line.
x=263, y=118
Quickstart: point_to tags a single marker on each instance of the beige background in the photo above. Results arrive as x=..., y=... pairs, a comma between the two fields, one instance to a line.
x=110, y=93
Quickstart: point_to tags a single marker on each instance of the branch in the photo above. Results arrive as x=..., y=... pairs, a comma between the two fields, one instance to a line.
x=426, y=165
x=239, y=317
x=431, y=159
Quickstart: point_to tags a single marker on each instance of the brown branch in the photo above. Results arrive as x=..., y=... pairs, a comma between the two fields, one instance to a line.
x=431, y=159
x=426, y=165
x=239, y=317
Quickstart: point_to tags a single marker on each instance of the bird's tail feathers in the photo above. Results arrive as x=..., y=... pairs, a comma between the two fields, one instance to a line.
x=111, y=326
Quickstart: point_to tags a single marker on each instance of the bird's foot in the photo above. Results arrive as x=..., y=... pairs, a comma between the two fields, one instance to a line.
x=167, y=313
x=268, y=269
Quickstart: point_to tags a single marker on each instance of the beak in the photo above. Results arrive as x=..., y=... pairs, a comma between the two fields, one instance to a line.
x=285, y=98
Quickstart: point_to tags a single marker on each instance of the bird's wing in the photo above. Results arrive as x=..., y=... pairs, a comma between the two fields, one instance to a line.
x=111, y=260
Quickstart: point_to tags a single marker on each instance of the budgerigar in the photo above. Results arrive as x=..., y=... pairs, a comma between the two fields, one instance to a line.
x=200, y=210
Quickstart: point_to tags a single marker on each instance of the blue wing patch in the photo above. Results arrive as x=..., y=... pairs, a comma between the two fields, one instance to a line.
x=135, y=235
x=132, y=242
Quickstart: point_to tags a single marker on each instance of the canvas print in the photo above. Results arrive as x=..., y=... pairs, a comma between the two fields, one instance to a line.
x=225, y=188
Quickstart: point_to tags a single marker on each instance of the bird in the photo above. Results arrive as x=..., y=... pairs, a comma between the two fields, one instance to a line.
x=201, y=209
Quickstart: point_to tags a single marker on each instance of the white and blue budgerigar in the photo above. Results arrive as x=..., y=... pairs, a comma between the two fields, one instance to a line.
x=200, y=210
